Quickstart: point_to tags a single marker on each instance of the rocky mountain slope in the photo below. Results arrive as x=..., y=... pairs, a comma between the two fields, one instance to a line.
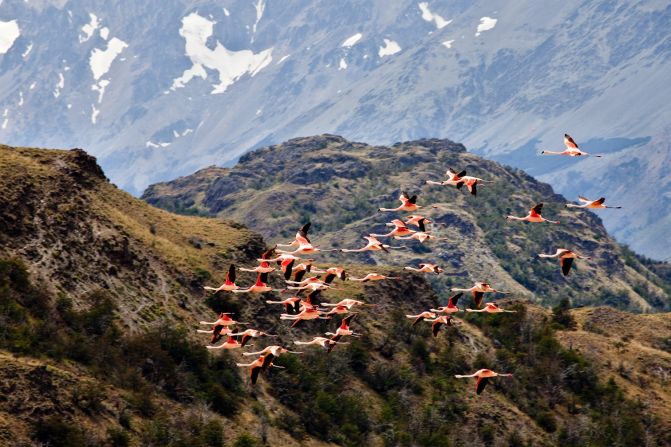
x=338, y=185
x=158, y=89
x=100, y=293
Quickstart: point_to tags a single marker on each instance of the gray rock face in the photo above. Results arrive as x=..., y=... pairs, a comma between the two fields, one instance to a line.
x=158, y=89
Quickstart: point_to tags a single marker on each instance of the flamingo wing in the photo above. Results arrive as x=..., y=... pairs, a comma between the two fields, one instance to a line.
x=303, y=232
x=481, y=384
x=413, y=199
x=537, y=208
x=230, y=276
x=254, y=373
x=477, y=297
x=435, y=328
x=600, y=201
x=267, y=360
x=454, y=299
x=569, y=142
x=566, y=264
x=245, y=339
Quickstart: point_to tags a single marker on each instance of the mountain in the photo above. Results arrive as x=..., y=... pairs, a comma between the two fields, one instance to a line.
x=158, y=89
x=100, y=293
x=338, y=185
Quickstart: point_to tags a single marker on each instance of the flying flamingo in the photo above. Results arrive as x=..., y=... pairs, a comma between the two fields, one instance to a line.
x=572, y=149
x=348, y=303
x=533, y=216
x=306, y=248
x=453, y=179
x=373, y=245
x=438, y=323
x=219, y=327
x=491, y=308
x=408, y=204
x=230, y=343
x=291, y=305
x=426, y=268
x=421, y=316
x=342, y=331
x=587, y=203
x=373, y=277
x=264, y=266
x=483, y=376
x=260, y=286
x=305, y=314
x=297, y=270
x=324, y=342
x=566, y=258
x=421, y=237
x=338, y=309
x=451, y=305
x=248, y=334
x=478, y=290
x=418, y=221
x=399, y=230
x=301, y=235
x=271, y=353
x=333, y=273
x=229, y=285
x=256, y=367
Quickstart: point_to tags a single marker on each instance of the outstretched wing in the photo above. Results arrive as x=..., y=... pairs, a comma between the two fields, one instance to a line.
x=481, y=384
x=583, y=199
x=303, y=232
x=413, y=199
x=454, y=299
x=569, y=142
x=435, y=327
x=537, y=208
x=267, y=360
x=461, y=174
x=566, y=264
x=420, y=224
x=254, y=373
x=230, y=276
x=477, y=297
x=600, y=200
x=288, y=268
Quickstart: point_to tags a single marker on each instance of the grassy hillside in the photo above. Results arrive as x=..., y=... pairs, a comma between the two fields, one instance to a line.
x=338, y=185
x=100, y=294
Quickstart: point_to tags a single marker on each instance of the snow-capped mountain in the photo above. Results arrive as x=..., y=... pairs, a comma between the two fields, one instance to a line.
x=160, y=88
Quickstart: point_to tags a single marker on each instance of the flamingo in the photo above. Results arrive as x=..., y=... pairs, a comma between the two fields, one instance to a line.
x=306, y=248
x=566, y=258
x=260, y=286
x=478, y=290
x=248, y=334
x=408, y=204
x=347, y=303
x=421, y=237
x=438, y=323
x=309, y=313
x=533, y=216
x=399, y=230
x=453, y=179
x=230, y=343
x=333, y=273
x=271, y=353
x=312, y=284
x=459, y=180
x=451, y=305
x=418, y=221
x=483, y=376
x=421, y=316
x=587, y=203
x=324, y=342
x=220, y=327
x=374, y=277
x=343, y=329
x=301, y=235
x=256, y=367
x=373, y=245
x=491, y=308
x=572, y=149
x=426, y=268
x=227, y=286
x=338, y=309
x=291, y=304
x=264, y=266
x=299, y=270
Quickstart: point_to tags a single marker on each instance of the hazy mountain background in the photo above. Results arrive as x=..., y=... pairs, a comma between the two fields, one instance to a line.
x=157, y=89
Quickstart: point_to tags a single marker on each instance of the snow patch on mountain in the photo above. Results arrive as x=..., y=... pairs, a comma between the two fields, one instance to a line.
x=343, y=64
x=486, y=23
x=447, y=43
x=100, y=88
x=230, y=65
x=89, y=28
x=101, y=60
x=59, y=85
x=429, y=16
x=94, y=114
x=29, y=48
x=104, y=32
x=260, y=6
x=352, y=40
x=5, y=120
x=390, y=47
x=9, y=32
x=227, y=12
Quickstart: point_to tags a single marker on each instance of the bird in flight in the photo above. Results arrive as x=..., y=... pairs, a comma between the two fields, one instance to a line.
x=566, y=258
x=533, y=216
x=572, y=149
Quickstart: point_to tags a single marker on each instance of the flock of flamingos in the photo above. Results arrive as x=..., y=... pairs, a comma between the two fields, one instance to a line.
x=294, y=269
